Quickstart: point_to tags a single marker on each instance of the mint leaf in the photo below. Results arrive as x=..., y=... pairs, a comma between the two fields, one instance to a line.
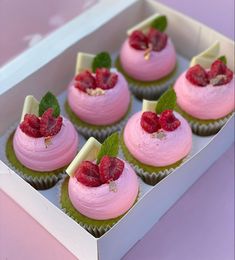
x=223, y=59
x=160, y=23
x=166, y=101
x=109, y=147
x=101, y=60
x=49, y=101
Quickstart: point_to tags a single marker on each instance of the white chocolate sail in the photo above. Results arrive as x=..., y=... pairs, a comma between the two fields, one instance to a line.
x=143, y=26
x=31, y=106
x=206, y=58
x=148, y=105
x=84, y=61
x=88, y=152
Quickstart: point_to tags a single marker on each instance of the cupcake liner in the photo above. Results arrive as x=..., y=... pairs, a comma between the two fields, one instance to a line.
x=99, y=132
x=96, y=227
x=39, y=180
x=149, y=174
x=149, y=90
x=204, y=127
x=208, y=129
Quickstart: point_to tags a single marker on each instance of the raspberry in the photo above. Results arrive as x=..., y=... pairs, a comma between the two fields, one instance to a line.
x=31, y=125
x=150, y=122
x=219, y=74
x=88, y=174
x=84, y=81
x=50, y=125
x=105, y=79
x=168, y=121
x=110, y=169
x=197, y=76
x=138, y=40
x=157, y=39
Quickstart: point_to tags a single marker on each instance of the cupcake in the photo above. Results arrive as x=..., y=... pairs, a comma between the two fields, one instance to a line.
x=98, y=97
x=101, y=187
x=157, y=139
x=43, y=144
x=148, y=59
x=205, y=94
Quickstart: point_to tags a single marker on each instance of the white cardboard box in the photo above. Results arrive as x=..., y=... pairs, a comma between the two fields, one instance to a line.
x=50, y=65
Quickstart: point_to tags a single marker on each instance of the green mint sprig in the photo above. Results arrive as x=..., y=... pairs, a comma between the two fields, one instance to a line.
x=223, y=59
x=166, y=101
x=109, y=147
x=101, y=60
x=49, y=101
x=160, y=23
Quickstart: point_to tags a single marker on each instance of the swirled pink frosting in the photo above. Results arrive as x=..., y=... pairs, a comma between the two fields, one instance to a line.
x=33, y=153
x=99, y=202
x=155, y=152
x=159, y=65
x=209, y=102
x=104, y=109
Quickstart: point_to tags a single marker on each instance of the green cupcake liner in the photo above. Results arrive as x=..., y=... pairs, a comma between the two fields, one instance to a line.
x=149, y=174
x=39, y=180
x=151, y=90
x=96, y=227
x=203, y=127
x=99, y=132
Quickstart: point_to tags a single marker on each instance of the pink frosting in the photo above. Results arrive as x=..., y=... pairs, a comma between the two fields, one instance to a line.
x=33, y=153
x=209, y=102
x=159, y=65
x=153, y=151
x=99, y=202
x=104, y=109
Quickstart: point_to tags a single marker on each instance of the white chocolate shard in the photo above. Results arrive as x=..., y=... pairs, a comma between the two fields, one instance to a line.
x=143, y=26
x=149, y=105
x=31, y=106
x=88, y=152
x=84, y=61
x=206, y=58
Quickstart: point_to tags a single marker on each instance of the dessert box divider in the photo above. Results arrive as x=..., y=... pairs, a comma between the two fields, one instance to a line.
x=55, y=65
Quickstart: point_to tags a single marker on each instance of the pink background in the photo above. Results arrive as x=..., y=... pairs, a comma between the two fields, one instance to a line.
x=200, y=226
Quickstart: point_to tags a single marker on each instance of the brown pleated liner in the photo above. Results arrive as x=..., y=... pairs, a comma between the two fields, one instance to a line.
x=101, y=134
x=152, y=178
x=208, y=129
x=42, y=183
x=91, y=228
x=151, y=92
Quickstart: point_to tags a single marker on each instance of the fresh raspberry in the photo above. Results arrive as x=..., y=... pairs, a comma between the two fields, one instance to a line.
x=197, y=76
x=50, y=125
x=138, y=40
x=150, y=122
x=219, y=74
x=31, y=125
x=168, y=120
x=105, y=79
x=110, y=169
x=157, y=39
x=88, y=174
x=84, y=81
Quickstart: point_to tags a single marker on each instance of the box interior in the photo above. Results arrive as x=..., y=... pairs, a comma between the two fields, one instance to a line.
x=55, y=76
